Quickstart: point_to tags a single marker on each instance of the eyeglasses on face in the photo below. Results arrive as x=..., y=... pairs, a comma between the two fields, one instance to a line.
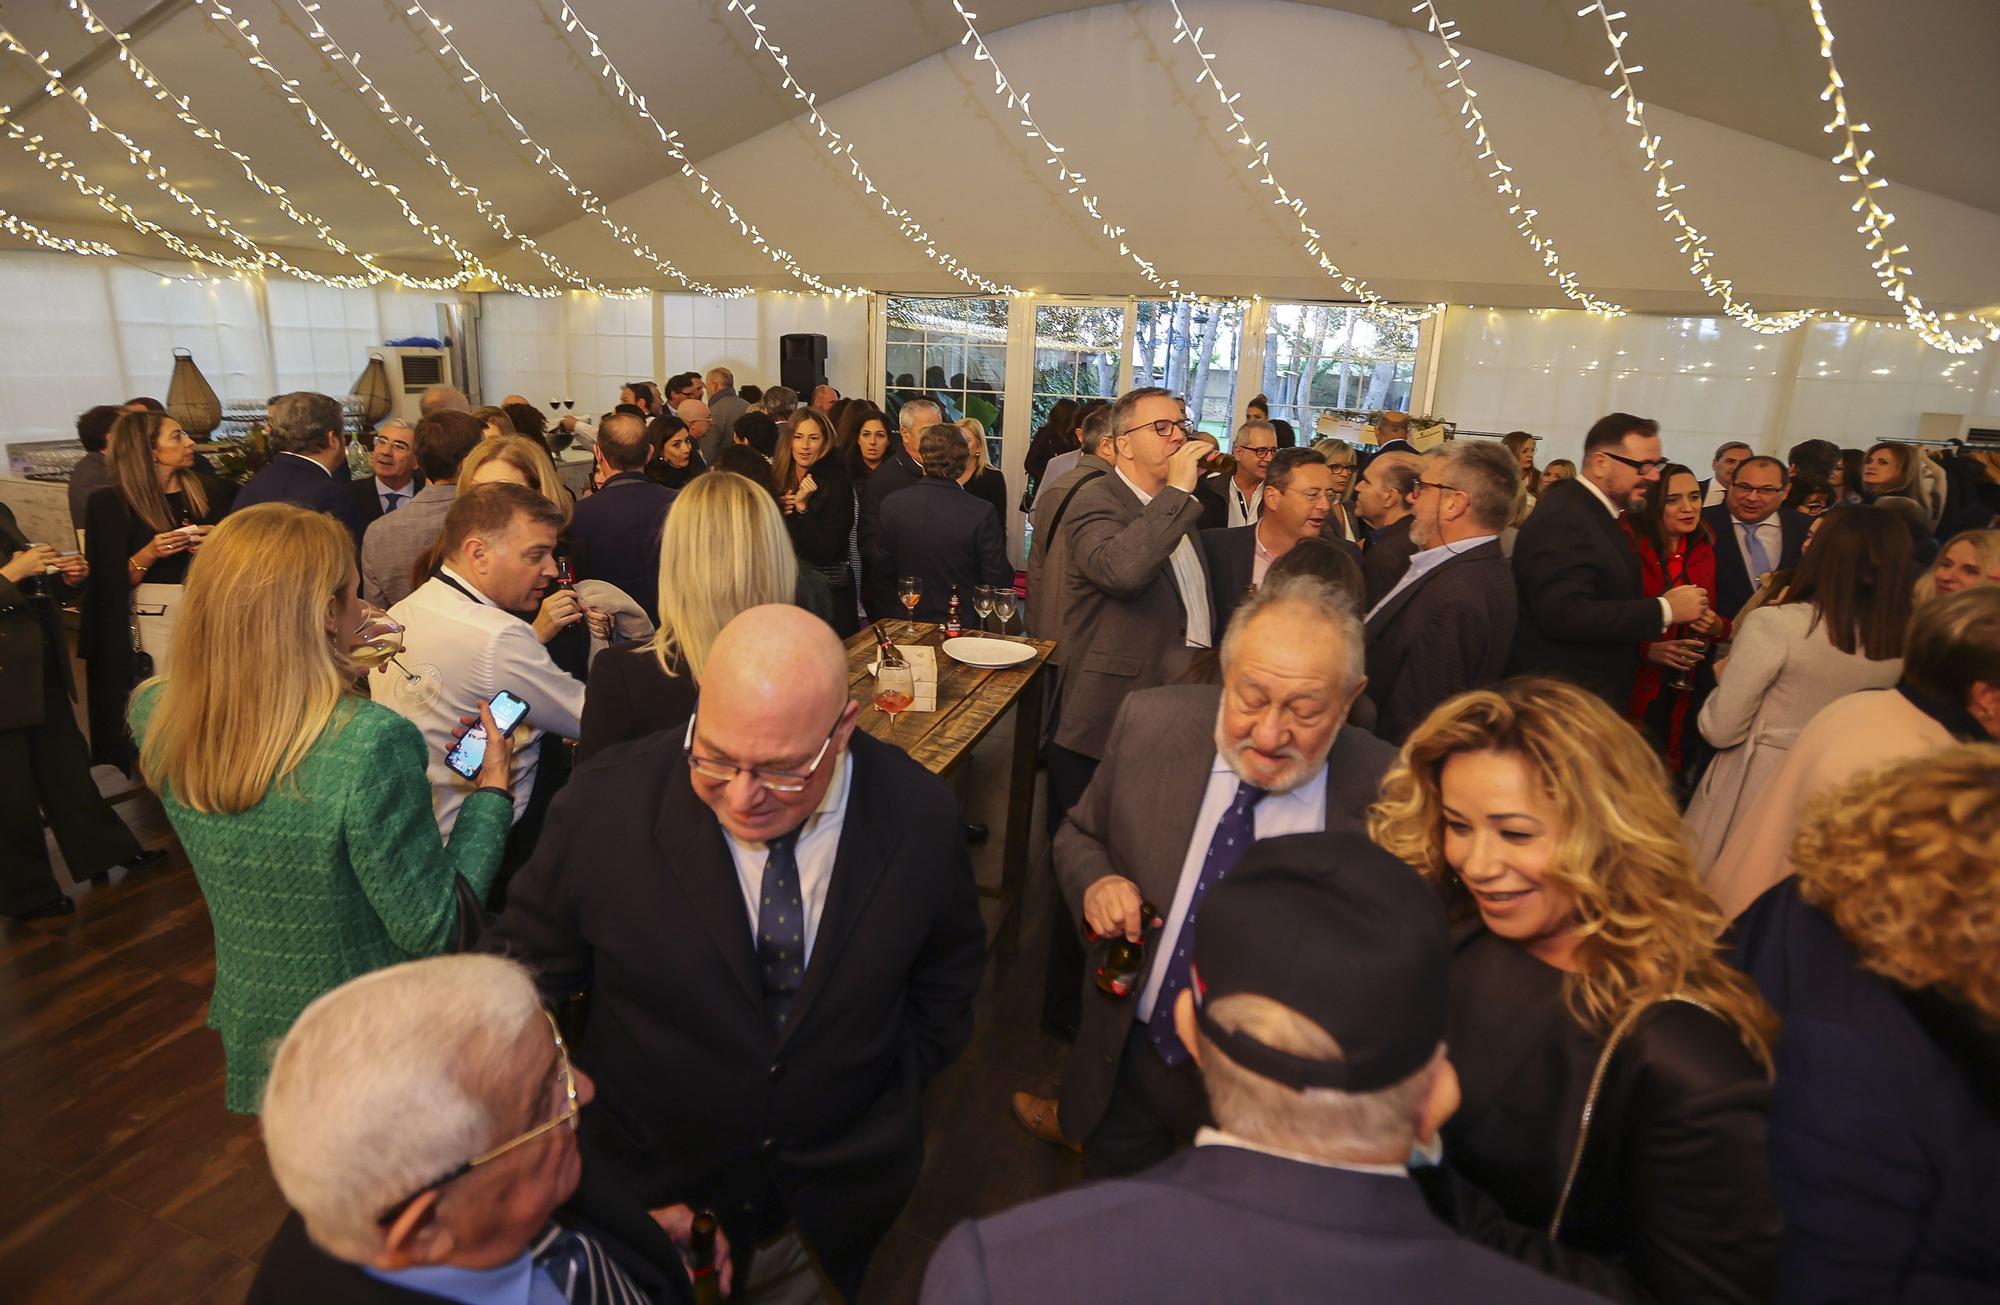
x=1164, y=427
x=1640, y=465
x=384, y=442
x=778, y=781
x=566, y=1116
x=1439, y=486
x=1260, y=451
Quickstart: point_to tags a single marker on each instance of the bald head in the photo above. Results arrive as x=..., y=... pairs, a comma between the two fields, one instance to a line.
x=443, y=398
x=773, y=701
x=692, y=411
x=513, y=399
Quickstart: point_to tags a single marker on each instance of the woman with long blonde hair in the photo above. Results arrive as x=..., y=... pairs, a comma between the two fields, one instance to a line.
x=1614, y=1067
x=1971, y=557
x=1341, y=521
x=981, y=478
x=724, y=549
x=140, y=532
x=517, y=460
x=304, y=807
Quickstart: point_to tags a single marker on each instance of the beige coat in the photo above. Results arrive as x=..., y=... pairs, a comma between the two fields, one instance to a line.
x=1855, y=734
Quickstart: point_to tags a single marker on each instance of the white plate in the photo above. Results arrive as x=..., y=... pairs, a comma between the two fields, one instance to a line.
x=991, y=653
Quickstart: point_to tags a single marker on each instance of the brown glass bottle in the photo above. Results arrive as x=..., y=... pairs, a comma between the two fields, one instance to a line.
x=1220, y=464
x=1124, y=959
x=703, y=1269
x=887, y=653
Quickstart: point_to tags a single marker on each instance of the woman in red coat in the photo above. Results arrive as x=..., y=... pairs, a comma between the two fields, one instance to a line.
x=1674, y=548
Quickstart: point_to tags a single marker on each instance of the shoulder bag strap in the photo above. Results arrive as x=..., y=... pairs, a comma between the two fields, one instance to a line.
x=1055, y=522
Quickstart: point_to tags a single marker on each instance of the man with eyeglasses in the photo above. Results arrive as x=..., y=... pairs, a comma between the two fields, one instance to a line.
x=1584, y=610
x=1754, y=533
x=422, y=1123
x=1297, y=494
x=1235, y=499
x=393, y=458
x=775, y=919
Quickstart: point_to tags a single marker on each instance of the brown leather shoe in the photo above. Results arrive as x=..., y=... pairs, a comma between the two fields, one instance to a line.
x=1038, y=1116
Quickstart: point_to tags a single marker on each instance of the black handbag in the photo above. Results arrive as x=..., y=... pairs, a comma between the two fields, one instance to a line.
x=142, y=661
x=473, y=917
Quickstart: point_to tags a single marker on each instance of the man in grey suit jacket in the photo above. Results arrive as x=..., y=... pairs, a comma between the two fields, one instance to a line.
x=1191, y=776
x=724, y=407
x=1447, y=625
x=394, y=542
x=1052, y=503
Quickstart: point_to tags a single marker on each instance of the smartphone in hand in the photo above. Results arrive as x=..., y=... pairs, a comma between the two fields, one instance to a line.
x=469, y=753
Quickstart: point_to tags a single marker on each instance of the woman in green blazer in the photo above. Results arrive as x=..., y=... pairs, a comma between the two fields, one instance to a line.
x=303, y=806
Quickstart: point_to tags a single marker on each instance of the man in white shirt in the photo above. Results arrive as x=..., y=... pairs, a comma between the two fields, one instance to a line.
x=1194, y=774
x=1319, y=1029
x=1754, y=533
x=461, y=637
x=1237, y=499
x=1728, y=456
x=1297, y=495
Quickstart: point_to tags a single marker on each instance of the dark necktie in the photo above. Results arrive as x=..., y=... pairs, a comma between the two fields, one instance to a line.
x=581, y=1270
x=781, y=928
x=1233, y=834
x=390, y=502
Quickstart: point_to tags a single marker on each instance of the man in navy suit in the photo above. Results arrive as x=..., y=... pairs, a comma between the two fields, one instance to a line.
x=308, y=463
x=1318, y=1023
x=395, y=479
x=615, y=533
x=934, y=530
x=1754, y=535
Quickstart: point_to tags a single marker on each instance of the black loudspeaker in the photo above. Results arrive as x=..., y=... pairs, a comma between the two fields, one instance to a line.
x=802, y=363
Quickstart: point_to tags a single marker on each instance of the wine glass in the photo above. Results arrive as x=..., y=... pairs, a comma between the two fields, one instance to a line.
x=910, y=589
x=569, y=403
x=1682, y=680
x=1003, y=605
x=378, y=645
x=555, y=405
x=895, y=689
x=982, y=603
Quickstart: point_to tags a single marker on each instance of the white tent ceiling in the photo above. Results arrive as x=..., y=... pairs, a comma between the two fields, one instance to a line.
x=1359, y=121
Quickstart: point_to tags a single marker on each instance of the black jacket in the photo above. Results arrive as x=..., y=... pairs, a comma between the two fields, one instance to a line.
x=878, y=584
x=1673, y=1201
x=1232, y=560
x=1885, y=1124
x=820, y=533
x=1385, y=557
x=1584, y=610
x=368, y=504
x=292, y=479
x=1223, y=1223
x=1447, y=632
x=633, y=892
x=32, y=639
x=629, y=697
x=1733, y=582
x=296, y=1272
x=947, y=538
x=614, y=536
x=990, y=486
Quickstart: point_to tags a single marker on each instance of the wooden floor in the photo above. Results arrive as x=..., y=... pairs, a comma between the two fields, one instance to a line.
x=122, y=1178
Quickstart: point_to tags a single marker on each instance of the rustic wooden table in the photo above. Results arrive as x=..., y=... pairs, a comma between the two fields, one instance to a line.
x=971, y=700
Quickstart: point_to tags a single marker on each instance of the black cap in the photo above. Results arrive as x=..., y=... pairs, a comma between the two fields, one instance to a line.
x=1335, y=928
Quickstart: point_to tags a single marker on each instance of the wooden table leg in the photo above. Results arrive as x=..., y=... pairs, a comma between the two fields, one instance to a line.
x=1020, y=802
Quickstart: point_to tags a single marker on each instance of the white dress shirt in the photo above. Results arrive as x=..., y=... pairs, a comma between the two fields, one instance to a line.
x=1429, y=560
x=1717, y=492
x=1185, y=565
x=1244, y=509
x=1666, y=608
x=1261, y=557
x=324, y=470
x=818, y=842
x=1301, y=811
x=478, y=650
x=1217, y=1137
x=403, y=495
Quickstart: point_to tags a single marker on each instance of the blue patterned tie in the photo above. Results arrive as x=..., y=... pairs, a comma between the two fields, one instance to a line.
x=581, y=1270
x=781, y=928
x=1753, y=549
x=1233, y=834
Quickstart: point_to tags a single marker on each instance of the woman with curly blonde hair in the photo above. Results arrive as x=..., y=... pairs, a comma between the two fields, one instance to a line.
x=1614, y=1067
x=1885, y=1126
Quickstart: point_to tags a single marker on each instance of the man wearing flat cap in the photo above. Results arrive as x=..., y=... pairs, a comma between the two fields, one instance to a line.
x=1317, y=1016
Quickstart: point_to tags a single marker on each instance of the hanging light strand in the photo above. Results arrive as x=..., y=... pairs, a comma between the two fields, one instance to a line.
x=586, y=199
x=1259, y=155
x=184, y=113
x=843, y=149
x=1075, y=181
x=1857, y=162
x=573, y=23
x=34, y=235
x=1500, y=173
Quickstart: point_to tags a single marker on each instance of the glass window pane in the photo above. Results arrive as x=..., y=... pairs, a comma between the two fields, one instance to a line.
x=1335, y=359
x=951, y=350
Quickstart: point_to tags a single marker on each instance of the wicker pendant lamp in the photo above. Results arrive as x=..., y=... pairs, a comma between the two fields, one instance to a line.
x=190, y=399
x=371, y=390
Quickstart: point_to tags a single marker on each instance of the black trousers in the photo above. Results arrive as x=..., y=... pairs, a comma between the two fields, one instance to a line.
x=1062, y=988
x=1154, y=1110
x=45, y=768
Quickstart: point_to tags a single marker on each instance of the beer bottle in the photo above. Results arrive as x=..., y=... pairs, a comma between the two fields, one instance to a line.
x=703, y=1269
x=952, y=629
x=1124, y=959
x=887, y=653
x=1222, y=464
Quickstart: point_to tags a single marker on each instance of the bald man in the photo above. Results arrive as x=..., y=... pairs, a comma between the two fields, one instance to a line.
x=775, y=917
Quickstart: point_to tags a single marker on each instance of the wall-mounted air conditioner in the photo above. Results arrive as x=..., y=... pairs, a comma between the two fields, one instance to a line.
x=411, y=372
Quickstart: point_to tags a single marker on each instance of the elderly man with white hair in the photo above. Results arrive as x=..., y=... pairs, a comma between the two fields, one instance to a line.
x=725, y=405
x=902, y=468
x=422, y=1122
x=775, y=918
x=1192, y=775
x=396, y=479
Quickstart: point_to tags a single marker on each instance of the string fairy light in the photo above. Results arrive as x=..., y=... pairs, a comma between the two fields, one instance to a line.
x=15, y=225
x=586, y=199
x=1858, y=162
x=183, y=109
x=1259, y=153
x=1455, y=62
x=573, y=23
x=1075, y=181
x=238, y=26
x=843, y=149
